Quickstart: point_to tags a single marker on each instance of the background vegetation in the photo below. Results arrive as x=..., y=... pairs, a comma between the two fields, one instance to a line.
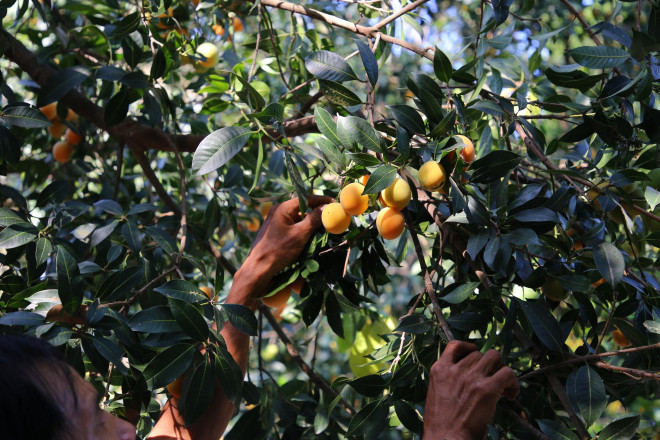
x=545, y=247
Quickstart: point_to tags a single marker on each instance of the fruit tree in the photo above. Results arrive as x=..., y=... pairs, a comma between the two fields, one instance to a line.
x=495, y=166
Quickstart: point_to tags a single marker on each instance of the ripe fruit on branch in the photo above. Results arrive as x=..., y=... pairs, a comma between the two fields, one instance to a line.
x=594, y=193
x=209, y=53
x=57, y=129
x=432, y=176
x=390, y=223
x=553, y=289
x=62, y=151
x=297, y=285
x=620, y=338
x=352, y=199
x=335, y=219
x=397, y=195
x=50, y=111
x=208, y=292
x=467, y=152
x=253, y=225
x=279, y=299
x=174, y=388
x=72, y=137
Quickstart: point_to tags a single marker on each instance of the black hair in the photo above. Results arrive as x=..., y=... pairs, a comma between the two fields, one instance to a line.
x=29, y=407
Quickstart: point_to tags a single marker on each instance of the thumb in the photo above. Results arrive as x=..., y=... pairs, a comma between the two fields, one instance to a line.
x=310, y=223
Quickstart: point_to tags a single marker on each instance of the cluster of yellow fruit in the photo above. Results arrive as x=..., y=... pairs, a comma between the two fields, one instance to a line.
x=62, y=150
x=432, y=175
x=390, y=223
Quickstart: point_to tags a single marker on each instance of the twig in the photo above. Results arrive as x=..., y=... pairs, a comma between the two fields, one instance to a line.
x=137, y=294
x=430, y=290
x=560, y=391
x=524, y=423
x=320, y=381
x=256, y=48
x=397, y=14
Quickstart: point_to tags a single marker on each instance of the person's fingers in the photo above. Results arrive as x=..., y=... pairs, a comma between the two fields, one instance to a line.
x=470, y=360
x=314, y=201
x=490, y=362
x=310, y=223
x=507, y=382
x=456, y=350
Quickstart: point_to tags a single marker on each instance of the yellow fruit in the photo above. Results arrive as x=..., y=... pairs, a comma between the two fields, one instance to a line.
x=397, y=195
x=366, y=342
x=208, y=291
x=238, y=24
x=175, y=387
x=253, y=225
x=279, y=299
x=467, y=153
x=554, y=290
x=297, y=285
x=50, y=111
x=432, y=176
x=265, y=208
x=593, y=194
x=620, y=338
x=72, y=137
x=209, y=54
x=352, y=200
x=364, y=179
x=62, y=151
x=334, y=218
x=390, y=223
x=57, y=129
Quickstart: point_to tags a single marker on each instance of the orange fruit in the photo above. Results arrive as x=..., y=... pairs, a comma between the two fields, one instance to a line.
x=208, y=291
x=279, y=299
x=467, y=152
x=297, y=285
x=390, y=223
x=253, y=225
x=335, y=219
x=577, y=246
x=71, y=116
x=72, y=137
x=398, y=194
x=175, y=387
x=219, y=30
x=598, y=283
x=352, y=199
x=620, y=338
x=62, y=151
x=238, y=24
x=431, y=176
x=50, y=111
x=364, y=179
x=57, y=129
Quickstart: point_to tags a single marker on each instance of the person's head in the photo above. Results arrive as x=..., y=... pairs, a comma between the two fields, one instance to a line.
x=42, y=397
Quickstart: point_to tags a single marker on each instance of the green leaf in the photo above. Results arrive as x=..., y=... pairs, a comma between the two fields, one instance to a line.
x=371, y=385
x=116, y=108
x=22, y=318
x=16, y=300
x=550, y=34
x=60, y=83
x=67, y=270
x=43, y=250
x=125, y=26
x=536, y=215
x=182, y=290
x=556, y=431
x=24, y=116
x=156, y=319
x=338, y=94
x=586, y=392
x=652, y=197
x=228, y=374
x=488, y=107
x=198, y=394
x=132, y=235
x=218, y=148
x=380, y=179
x=163, y=239
x=189, y=319
x=117, y=285
x=354, y=132
x=408, y=416
x=168, y=365
x=327, y=125
x=623, y=428
x=652, y=326
x=369, y=61
x=460, y=293
x=321, y=422
x=444, y=125
x=544, y=324
x=442, y=66
x=371, y=418
x=494, y=166
x=332, y=155
x=408, y=118
x=242, y=318
x=599, y=57
x=328, y=65
x=296, y=179
x=609, y=262
x=250, y=95
x=10, y=217
x=17, y=235
x=111, y=351
x=415, y=324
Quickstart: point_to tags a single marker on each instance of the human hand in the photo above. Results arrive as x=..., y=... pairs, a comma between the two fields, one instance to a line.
x=464, y=389
x=283, y=235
